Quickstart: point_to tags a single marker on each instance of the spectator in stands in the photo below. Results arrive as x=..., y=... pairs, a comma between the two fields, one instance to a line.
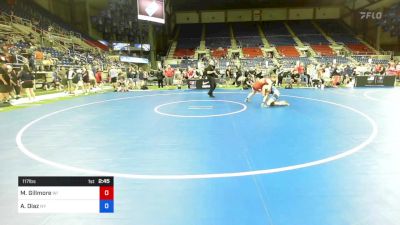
x=312, y=72
x=379, y=69
x=326, y=77
x=348, y=74
x=70, y=76
x=78, y=80
x=336, y=75
x=5, y=84
x=228, y=73
x=398, y=70
x=391, y=71
x=122, y=83
x=56, y=80
x=85, y=80
x=92, y=78
x=169, y=74
x=15, y=83
x=178, y=78
x=140, y=75
x=135, y=76
x=113, y=75
x=27, y=82
x=145, y=78
x=237, y=76
x=99, y=78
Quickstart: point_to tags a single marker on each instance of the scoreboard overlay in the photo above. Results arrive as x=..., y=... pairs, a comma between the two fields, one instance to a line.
x=65, y=194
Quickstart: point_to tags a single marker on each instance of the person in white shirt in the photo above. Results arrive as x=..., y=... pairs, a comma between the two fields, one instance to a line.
x=70, y=76
x=113, y=74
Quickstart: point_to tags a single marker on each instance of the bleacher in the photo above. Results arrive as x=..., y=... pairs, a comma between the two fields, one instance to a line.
x=219, y=52
x=365, y=60
x=218, y=39
x=288, y=51
x=279, y=37
x=188, y=40
x=331, y=59
x=247, y=29
x=185, y=63
x=323, y=50
x=250, y=52
x=248, y=63
x=248, y=38
x=340, y=34
x=32, y=11
x=291, y=61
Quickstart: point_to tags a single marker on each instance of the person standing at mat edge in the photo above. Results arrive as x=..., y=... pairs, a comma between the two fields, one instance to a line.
x=211, y=75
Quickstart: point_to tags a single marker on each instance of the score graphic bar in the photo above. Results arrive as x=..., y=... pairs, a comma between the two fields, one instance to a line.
x=65, y=194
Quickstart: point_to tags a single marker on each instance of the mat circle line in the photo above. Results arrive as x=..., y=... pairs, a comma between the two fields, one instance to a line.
x=344, y=154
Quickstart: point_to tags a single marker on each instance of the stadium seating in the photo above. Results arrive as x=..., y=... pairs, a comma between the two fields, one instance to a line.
x=217, y=30
x=280, y=40
x=313, y=39
x=303, y=27
x=183, y=52
x=288, y=51
x=218, y=42
x=252, y=52
x=43, y=19
x=277, y=34
x=365, y=59
x=323, y=50
x=360, y=49
x=245, y=30
x=254, y=41
x=330, y=59
x=219, y=52
x=218, y=39
x=185, y=63
x=188, y=40
x=275, y=29
x=291, y=61
x=248, y=63
x=339, y=33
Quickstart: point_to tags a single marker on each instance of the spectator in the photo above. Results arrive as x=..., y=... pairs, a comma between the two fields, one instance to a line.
x=27, y=82
x=178, y=78
x=15, y=83
x=113, y=75
x=99, y=79
x=70, y=76
x=86, y=80
x=169, y=75
x=5, y=84
x=160, y=78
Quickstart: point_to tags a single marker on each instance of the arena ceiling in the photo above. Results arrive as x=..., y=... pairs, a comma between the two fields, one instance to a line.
x=182, y=5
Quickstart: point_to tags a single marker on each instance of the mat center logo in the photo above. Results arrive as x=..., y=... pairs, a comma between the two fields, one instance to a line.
x=152, y=8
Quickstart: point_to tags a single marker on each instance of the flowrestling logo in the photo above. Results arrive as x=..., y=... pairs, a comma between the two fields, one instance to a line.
x=371, y=15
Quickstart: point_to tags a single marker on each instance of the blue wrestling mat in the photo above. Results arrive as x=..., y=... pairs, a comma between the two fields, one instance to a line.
x=180, y=157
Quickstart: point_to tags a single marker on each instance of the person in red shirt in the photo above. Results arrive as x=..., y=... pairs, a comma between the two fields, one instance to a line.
x=169, y=73
x=391, y=70
x=270, y=93
x=378, y=69
x=99, y=79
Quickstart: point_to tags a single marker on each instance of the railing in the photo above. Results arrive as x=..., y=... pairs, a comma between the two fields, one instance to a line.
x=57, y=30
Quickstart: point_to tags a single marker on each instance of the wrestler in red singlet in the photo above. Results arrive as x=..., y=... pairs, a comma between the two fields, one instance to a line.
x=258, y=85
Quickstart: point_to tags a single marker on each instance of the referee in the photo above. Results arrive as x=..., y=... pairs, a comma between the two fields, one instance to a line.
x=211, y=75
